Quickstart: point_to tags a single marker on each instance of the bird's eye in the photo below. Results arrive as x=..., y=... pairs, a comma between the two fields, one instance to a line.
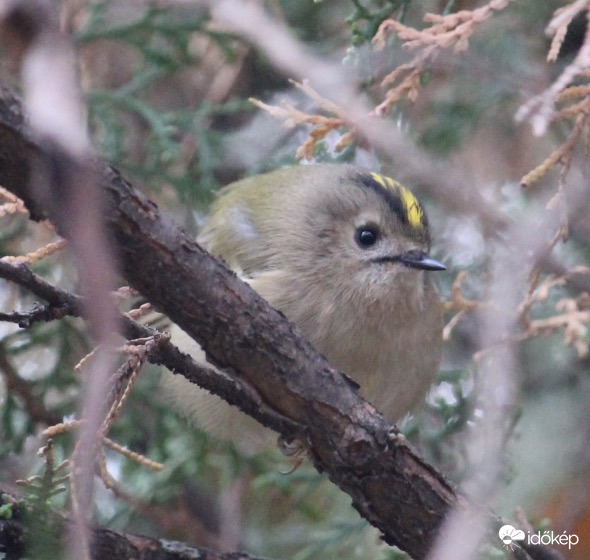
x=366, y=236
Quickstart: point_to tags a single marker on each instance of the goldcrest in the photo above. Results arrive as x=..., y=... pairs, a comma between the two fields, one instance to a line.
x=344, y=254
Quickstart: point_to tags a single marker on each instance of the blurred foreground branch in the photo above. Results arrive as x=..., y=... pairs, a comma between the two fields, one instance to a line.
x=68, y=186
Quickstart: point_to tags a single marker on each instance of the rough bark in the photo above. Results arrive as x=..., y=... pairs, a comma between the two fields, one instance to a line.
x=18, y=536
x=389, y=484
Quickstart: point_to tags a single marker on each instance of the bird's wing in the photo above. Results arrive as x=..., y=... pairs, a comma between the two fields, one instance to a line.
x=233, y=236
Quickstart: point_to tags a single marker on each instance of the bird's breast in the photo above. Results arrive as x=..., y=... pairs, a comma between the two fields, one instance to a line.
x=391, y=346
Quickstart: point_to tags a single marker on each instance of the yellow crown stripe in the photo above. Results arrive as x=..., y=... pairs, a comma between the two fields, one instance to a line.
x=413, y=209
x=380, y=179
x=391, y=183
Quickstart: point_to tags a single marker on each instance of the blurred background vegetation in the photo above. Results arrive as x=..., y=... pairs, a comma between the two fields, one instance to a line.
x=167, y=90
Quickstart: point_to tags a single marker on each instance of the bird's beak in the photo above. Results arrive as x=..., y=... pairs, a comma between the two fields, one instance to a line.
x=420, y=260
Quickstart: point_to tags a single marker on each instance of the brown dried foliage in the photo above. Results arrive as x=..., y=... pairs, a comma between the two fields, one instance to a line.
x=122, y=384
x=450, y=31
x=321, y=125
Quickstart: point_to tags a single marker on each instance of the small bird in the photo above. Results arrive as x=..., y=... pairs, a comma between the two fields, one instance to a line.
x=344, y=254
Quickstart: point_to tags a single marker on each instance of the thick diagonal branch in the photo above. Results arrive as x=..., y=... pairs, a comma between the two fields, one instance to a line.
x=389, y=484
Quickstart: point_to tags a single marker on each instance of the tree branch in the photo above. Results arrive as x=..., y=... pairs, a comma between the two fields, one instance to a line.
x=104, y=543
x=62, y=303
x=24, y=390
x=238, y=329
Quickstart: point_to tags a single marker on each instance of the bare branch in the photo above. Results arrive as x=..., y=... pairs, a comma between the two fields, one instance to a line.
x=14, y=382
x=105, y=543
x=344, y=434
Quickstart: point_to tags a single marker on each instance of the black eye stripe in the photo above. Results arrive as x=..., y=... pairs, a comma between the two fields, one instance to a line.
x=400, y=199
x=394, y=202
